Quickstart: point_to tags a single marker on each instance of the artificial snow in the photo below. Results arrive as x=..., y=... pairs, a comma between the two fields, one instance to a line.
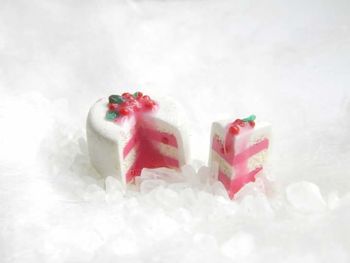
x=306, y=197
x=288, y=63
x=58, y=209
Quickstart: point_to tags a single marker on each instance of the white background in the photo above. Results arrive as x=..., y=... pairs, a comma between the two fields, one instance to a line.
x=287, y=62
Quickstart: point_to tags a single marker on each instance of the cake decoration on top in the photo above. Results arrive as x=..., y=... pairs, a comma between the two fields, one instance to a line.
x=234, y=127
x=128, y=104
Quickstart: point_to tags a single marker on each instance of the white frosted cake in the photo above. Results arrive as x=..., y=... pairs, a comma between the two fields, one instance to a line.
x=238, y=151
x=129, y=132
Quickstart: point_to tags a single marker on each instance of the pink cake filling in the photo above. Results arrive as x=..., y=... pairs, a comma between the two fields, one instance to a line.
x=234, y=185
x=233, y=159
x=239, y=162
x=147, y=155
x=144, y=134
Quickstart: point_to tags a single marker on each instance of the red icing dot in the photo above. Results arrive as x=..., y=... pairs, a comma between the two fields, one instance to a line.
x=241, y=123
x=149, y=104
x=112, y=106
x=252, y=124
x=234, y=129
x=131, y=103
x=138, y=95
x=124, y=111
x=127, y=95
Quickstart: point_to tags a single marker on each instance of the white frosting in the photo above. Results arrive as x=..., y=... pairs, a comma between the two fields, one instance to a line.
x=107, y=139
x=262, y=130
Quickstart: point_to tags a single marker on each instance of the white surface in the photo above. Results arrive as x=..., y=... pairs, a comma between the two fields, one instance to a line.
x=287, y=62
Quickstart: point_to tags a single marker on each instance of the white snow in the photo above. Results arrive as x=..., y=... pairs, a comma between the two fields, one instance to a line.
x=306, y=197
x=288, y=63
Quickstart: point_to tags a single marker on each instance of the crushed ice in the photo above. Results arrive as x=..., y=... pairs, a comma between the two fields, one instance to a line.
x=60, y=210
x=55, y=208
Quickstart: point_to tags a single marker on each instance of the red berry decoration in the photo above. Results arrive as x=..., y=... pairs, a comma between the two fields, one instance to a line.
x=131, y=103
x=245, y=123
x=239, y=122
x=112, y=106
x=127, y=95
x=128, y=104
x=234, y=129
x=138, y=95
x=149, y=104
x=124, y=111
x=252, y=124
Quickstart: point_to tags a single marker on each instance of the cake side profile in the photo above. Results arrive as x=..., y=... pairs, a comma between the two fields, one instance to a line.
x=130, y=132
x=238, y=151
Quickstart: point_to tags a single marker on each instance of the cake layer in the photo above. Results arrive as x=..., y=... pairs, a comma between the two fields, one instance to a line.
x=255, y=161
x=167, y=150
x=135, y=169
x=223, y=165
x=234, y=185
x=162, y=137
x=261, y=130
x=129, y=160
x=144, y=141
x=231, y=157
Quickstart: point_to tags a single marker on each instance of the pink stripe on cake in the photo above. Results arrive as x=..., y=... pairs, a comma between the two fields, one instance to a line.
x=130, y=144
x=256, y=148
x=171, y=162
x=132, y=173
x=136, y=171
x=162, y=137
x=233, y=186
x=224, y=179
x=219, y=149
x=232, y=159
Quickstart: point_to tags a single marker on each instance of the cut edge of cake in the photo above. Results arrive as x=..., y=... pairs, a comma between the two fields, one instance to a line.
x=107, y=139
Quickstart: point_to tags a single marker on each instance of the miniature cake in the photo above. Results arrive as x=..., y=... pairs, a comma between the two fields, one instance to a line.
x=238, y=151
x=129, y=132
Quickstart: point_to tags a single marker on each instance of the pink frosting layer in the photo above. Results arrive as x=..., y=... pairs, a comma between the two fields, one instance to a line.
x=162, y=137
x=233, y=159
x=158, y=136
x=147, y=155
x=130, y=144
x=234, y=185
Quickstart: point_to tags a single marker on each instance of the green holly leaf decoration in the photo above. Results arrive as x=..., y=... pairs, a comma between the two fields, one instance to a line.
x=111, y=115
x=250, y=118
x=115, y=99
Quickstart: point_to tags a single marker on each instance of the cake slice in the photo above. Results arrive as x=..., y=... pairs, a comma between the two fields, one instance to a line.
x=238, y=151
x=129, y=132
